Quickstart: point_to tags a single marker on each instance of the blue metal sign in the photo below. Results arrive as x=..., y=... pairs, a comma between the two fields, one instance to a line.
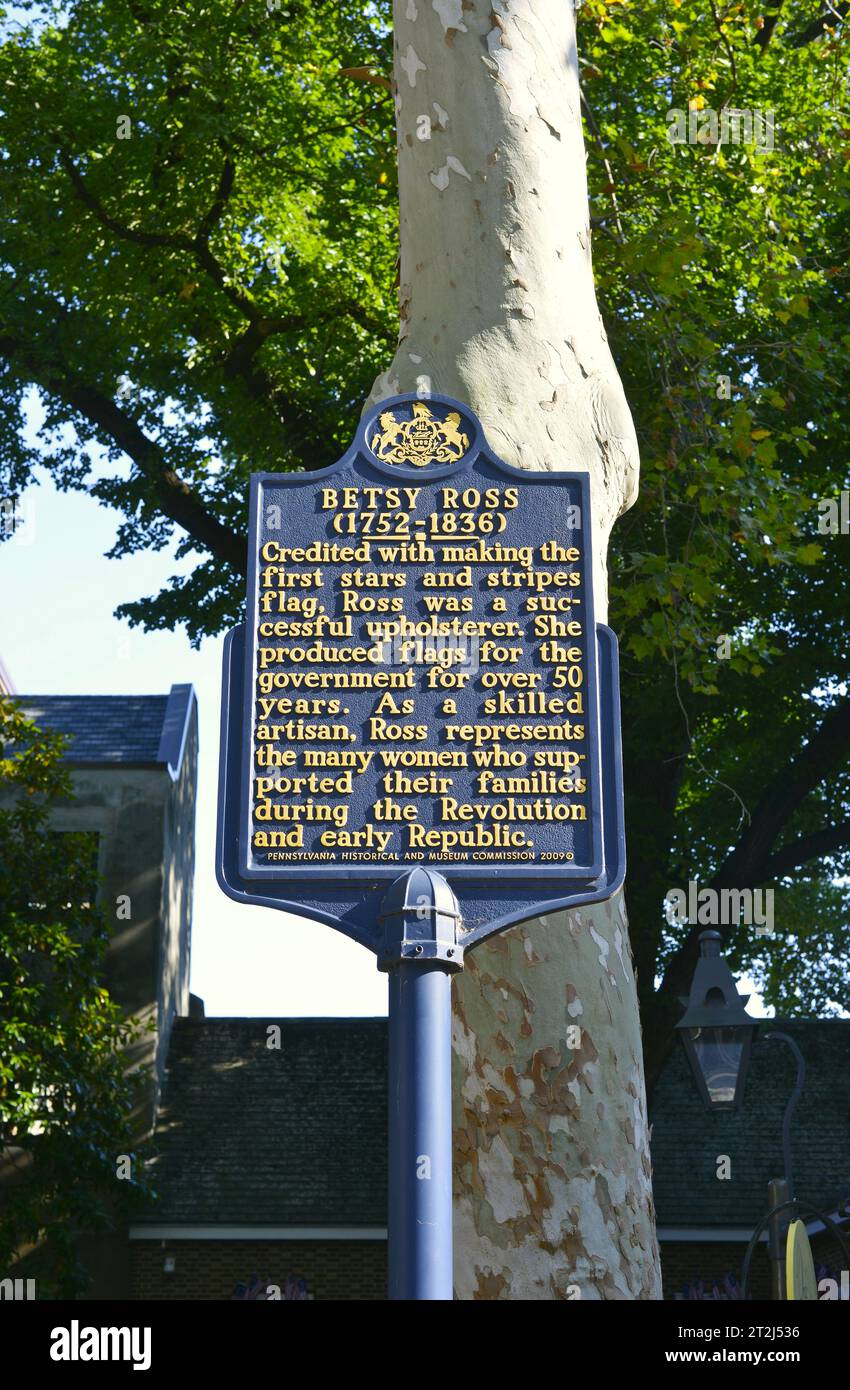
x=420, y=682
x=420, y=739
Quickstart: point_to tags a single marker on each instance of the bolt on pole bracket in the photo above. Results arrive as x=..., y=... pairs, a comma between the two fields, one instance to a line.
x=421, y=921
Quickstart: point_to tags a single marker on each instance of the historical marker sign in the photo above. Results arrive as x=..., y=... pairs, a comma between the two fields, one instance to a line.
x=421, y=681
x=420, y=739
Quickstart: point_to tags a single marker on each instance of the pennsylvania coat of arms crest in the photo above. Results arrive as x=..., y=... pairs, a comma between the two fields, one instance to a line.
x=422, y=439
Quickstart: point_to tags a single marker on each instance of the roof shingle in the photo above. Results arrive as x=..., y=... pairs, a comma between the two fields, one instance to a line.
x=687, y=1140
x=249, y=1134
x=104, y=728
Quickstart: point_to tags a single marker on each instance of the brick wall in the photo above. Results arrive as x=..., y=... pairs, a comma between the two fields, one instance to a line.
x=682, y=1263
x=210, y=1269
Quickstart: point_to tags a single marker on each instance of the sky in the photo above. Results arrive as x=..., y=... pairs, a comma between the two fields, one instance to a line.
x=58, y=635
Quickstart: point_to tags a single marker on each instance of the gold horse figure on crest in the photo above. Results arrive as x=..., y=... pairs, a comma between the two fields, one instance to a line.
x=422, y=440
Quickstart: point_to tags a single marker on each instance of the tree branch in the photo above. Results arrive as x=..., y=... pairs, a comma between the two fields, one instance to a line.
x=220, y=201
x=832, y=15
x=814, y=846
x=745, y=866
x=239, y=360
x=80, y=187
x=174, y=497
x=369, y=74
x=730, y=51
x=751, y=862
x=197, y=246
x=771, y=18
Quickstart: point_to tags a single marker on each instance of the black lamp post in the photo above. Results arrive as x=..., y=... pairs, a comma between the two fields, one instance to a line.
x=718, y=1035
x=716, y=1029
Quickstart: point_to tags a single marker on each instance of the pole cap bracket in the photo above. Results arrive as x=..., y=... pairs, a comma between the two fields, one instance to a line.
x=420, y=919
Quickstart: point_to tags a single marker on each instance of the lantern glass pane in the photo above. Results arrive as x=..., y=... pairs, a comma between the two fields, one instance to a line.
x=719, y=1052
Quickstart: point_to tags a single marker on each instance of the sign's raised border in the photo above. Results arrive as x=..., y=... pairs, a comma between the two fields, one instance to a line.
x=353, y=907
x=360, y=455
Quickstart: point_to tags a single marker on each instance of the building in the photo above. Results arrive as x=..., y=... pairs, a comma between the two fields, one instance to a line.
x=270, y=1160
x=711, y=1170
x=133, y=766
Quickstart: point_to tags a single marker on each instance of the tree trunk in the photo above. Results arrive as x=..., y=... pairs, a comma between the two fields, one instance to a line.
x=498, y=309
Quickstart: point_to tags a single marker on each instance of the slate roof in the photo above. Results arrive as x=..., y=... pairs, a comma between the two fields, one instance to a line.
x=116, y=729
x=250, y=1135
x=687, y=1139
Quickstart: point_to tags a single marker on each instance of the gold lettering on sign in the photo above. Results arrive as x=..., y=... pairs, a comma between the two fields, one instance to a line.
x=420, y=687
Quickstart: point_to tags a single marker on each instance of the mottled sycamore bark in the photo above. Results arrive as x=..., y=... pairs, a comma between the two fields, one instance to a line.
x=498, y=308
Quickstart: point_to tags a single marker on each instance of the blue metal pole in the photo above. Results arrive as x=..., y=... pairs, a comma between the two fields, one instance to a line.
x=420, y=1117
x=421, y=949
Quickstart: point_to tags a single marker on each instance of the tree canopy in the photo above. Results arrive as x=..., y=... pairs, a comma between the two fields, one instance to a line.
x=198, y=230
x=721, y=269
